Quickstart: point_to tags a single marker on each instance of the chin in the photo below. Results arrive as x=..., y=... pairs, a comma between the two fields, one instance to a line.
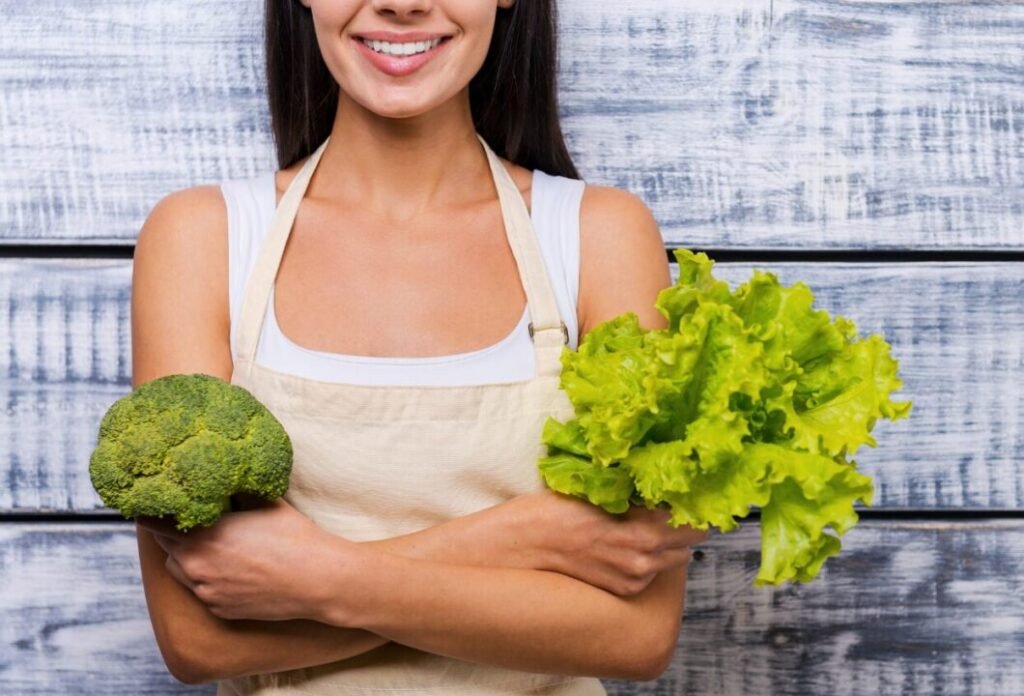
x=401, y=108
x=397, y=112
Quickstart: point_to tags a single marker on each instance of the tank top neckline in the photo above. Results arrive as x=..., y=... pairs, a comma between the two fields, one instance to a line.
x=272, y=325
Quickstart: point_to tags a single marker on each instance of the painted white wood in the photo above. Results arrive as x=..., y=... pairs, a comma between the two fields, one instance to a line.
x=956, y=328
x=907, y=607
x=804, y=123
x=65, y=357
x=73, y=617
x=914, y=607
x=107, y=106
x=742, y=123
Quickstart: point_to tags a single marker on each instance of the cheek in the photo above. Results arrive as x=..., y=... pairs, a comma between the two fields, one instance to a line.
x=333, y=14
x=472, y=21
x=476, y=18
x=330, y=20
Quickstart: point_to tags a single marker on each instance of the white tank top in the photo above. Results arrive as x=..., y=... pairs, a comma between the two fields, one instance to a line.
x=554, y=211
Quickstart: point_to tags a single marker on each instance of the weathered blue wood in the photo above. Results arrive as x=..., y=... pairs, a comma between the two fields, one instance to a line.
x=804, y=123
x=907, y=607
x=107, y=106
x=73, y=617
x=747, y=124
x=743, y=123
x=957, y=330
x=916, y=607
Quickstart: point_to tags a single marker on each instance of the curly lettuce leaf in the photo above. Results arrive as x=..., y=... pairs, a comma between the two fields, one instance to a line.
x=616, y=394
x=608, y=487
x=834, y=386
x=748, y=399
x=729, y=362
x=695, y=284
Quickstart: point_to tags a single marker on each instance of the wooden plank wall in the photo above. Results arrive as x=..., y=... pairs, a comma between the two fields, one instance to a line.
x=873, y=150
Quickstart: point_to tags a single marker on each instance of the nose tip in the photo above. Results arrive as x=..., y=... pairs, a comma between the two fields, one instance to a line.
x=402, y=7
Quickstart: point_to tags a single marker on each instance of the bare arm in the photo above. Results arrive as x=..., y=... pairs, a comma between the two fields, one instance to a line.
x=531, y=620
x=523, y=618
x=180, y=324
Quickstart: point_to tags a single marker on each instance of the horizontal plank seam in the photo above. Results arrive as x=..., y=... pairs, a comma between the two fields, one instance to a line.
x=84, y=517
x=860, y=255
x=727, y=255
x=894, y=514
x=67, y=251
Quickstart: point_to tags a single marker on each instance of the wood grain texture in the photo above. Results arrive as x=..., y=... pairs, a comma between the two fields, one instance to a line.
x=743, y=123
x=65, y=357
x=907, y=607
x=805, y=123
x=105, y=107
x=73, y=617
x=957, y=330
x=925, y=607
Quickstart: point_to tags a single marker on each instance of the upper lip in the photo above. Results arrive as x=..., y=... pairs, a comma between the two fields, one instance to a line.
x=399, y=37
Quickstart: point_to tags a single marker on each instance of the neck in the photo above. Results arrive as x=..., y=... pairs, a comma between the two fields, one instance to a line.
x=398, y=168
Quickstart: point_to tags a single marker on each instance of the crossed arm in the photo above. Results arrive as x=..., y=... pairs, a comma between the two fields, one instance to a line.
x=546, y=603
x=500, y=612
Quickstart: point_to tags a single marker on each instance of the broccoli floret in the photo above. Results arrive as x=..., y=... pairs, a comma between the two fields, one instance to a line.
x=183, y=444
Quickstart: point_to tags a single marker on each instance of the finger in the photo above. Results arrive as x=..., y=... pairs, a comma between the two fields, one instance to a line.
x=679, y=537
x=157, y=525
x=170, y=544
x=640, y=513
x=174, y=568
x=673, y=558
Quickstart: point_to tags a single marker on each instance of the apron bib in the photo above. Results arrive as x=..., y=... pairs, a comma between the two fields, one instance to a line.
x=375, y=461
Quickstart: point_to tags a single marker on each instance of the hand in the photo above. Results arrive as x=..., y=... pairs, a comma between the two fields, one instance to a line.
x=618, y=553
x=260, y=563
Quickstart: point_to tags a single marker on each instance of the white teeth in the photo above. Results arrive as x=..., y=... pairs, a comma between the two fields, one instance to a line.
x=401, y=49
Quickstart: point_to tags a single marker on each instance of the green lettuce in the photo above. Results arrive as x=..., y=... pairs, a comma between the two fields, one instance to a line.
x=749, y=398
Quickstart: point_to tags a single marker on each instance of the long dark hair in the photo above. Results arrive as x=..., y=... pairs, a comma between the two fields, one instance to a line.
x=513, y=98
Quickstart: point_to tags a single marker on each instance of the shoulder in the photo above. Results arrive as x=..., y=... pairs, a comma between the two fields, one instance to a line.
x=623, y=262
x=192, y=218
x=185, y=235
x=180, y=312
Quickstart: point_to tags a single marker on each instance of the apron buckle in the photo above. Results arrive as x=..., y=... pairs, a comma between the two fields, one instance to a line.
x=565, y=332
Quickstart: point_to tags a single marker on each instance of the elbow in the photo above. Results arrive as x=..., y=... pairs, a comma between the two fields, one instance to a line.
x=655, y=648
x=186, y=669
x=184, y=661
x=186, y=673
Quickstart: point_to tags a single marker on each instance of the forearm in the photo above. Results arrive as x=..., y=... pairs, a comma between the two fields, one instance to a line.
x=207, y=648
x=505, y=535
x=200, y=647
x=218, y=649
x=245, y=647
x=529, y=620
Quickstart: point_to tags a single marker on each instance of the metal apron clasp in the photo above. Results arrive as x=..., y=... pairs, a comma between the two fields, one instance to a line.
x=565, y=332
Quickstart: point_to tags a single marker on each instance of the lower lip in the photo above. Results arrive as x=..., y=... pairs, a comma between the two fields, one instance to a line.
x=399, y=65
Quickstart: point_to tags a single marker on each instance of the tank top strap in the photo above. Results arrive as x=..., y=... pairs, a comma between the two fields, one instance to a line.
x=547, y=331
x=268, y=260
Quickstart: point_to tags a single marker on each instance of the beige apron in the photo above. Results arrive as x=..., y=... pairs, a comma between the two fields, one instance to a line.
x=376, y=461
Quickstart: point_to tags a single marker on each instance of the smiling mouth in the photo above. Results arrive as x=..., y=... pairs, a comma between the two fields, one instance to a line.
x=403, y=49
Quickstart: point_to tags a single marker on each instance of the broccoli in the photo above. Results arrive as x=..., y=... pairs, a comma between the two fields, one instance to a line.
x=183, y=444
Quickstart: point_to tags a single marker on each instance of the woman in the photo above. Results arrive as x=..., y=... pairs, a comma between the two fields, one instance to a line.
x=416, y=549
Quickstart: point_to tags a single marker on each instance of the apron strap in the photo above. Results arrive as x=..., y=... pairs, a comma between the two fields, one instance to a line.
x=268, y=260
x=547, y=330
